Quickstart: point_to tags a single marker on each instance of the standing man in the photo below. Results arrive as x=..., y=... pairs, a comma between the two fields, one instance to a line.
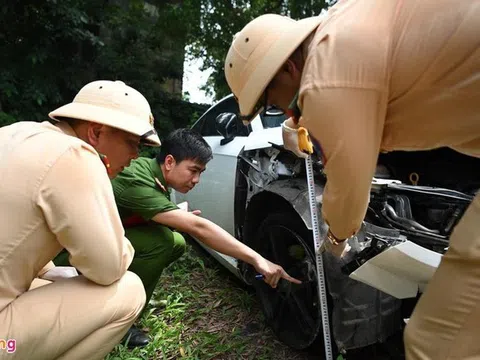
x=56, y=193
x=373, y=76
x=142, y=193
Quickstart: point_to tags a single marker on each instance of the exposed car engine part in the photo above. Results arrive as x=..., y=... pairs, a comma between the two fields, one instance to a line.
x=424, y=215
x=441, y=168
x=370, y=241
x=404, y=223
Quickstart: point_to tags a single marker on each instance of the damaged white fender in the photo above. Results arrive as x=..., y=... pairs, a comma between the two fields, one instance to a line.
x=401, y=270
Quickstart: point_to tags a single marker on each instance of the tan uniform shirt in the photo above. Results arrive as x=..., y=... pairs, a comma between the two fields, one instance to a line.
x=389, y=75
x=54, y=194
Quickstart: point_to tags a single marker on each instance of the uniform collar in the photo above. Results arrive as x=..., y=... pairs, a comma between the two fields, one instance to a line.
x=158, y=175
x=66, y=128
x=294, y=103
x=293, y=110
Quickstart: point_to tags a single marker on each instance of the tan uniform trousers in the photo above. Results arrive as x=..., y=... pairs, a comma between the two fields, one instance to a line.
x=71, y=319
x=445, y=324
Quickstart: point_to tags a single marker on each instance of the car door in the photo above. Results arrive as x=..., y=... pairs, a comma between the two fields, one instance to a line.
x=214, y=194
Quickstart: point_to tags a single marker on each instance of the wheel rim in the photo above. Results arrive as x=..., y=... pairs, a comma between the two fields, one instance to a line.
x=292, y=311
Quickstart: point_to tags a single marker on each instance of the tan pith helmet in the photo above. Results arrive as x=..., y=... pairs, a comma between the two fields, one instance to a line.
x=257, y=53
x=114, y=104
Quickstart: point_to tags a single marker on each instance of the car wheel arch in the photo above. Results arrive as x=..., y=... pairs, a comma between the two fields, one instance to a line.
x=288, y=195
x=263, y=207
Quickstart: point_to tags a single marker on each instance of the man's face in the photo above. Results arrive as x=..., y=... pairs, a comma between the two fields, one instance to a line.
x=280, y=96
x=184, y=175
x=119, y=146
x=284, y=86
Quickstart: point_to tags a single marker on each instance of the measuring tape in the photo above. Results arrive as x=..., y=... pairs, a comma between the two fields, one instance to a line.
x=306, y=146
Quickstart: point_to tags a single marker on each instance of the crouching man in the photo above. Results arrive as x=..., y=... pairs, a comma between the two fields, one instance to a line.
x=142, y=193
x=56, y=193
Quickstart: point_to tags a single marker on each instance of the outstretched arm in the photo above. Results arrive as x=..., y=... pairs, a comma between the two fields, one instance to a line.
x=220, y=240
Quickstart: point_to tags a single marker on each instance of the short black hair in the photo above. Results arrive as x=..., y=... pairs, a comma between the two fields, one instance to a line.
x=185, y=144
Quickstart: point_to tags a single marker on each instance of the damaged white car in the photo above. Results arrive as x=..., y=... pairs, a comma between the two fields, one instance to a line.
x=257, y=191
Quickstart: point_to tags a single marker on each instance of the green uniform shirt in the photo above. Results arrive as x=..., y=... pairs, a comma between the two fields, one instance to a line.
x=141, y=191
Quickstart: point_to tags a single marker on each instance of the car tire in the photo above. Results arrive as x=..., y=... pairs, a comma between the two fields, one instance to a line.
x=292, y=311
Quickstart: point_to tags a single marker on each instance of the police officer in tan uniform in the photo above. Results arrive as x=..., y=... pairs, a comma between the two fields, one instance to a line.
x=372, y=76
x=56, y=193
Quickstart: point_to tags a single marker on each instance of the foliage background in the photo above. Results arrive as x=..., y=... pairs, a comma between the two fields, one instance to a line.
x=220, y=20
x=49, y=49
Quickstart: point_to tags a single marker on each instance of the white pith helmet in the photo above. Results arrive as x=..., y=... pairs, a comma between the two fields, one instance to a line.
x=114, y=104
x=257, y=53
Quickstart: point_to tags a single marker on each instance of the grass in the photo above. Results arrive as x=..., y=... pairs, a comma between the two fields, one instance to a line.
x=200, y=311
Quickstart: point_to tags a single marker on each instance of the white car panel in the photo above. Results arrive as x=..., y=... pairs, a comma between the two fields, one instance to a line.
x=401, y=270
x=261, y=138
x=256, y=124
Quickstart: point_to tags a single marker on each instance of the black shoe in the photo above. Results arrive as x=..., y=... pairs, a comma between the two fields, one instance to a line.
x=135, y=338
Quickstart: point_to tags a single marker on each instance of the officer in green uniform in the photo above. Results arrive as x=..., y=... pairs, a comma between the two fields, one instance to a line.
x=142, y=194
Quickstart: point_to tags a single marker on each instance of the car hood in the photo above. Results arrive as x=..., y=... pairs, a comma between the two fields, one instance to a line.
x=260, y=139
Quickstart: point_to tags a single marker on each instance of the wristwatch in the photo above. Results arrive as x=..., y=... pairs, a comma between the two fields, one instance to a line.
x=333, y=240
